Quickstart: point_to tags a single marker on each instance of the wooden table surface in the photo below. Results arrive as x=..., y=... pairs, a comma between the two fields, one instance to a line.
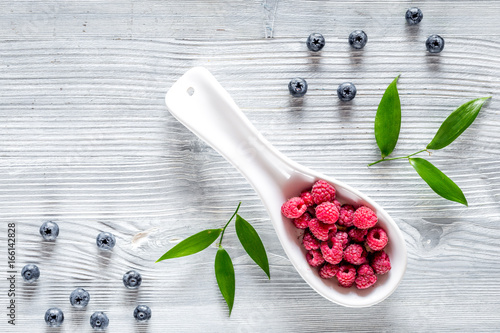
x=86, y=141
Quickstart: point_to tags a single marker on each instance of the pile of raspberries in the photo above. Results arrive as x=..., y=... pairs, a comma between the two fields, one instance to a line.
x=342, y=241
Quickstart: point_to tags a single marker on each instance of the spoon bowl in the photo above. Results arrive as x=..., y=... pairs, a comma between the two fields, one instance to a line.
x=199, y=102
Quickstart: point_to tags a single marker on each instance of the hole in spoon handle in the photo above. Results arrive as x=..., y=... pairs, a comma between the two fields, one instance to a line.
x=199, y=102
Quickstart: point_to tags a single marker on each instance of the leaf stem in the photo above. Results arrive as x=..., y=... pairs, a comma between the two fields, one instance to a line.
x=224, y=229
x=398, y=158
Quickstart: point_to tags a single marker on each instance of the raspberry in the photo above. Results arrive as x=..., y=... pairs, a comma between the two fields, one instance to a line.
x=322, y=191
x=366, y=277
x=314, y=258
x=343, y=237
x=365, y=281
x=328, y=271
x=376, y=239
x=327, y=212
x=293, y=208
x=355, y=254
x=310, y=242
x=346, y=275
x=381, y=263
x=334, y=254
x=337, y=204
x=365, y=270
x=358, y=235
x=302, y=221
x=364, y=218
x=308, y=198
x=345, y=215
x=320, y=230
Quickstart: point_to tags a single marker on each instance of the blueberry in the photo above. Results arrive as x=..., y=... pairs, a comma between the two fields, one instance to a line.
x=105, y=240
x=132, y=279
x=79, y=298
x=315, y=42
x=358, y=39
x=49, y=230
x=297, y=87
x=414, y=16
x=54, y=317
x=142, y=313
x=346, y=91
x=434, y=44
x=30, y=273
x=99, y=321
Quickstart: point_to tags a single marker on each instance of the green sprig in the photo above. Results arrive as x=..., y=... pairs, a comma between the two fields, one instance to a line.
x=223, y=267
x=388, y=124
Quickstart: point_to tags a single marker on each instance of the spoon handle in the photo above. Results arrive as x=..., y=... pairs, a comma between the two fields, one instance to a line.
x=201, y=104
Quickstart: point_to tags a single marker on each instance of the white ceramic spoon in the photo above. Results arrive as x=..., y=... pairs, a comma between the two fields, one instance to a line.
x=199, y=102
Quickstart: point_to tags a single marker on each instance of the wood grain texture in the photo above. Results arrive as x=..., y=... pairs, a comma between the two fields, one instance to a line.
x=86, y=140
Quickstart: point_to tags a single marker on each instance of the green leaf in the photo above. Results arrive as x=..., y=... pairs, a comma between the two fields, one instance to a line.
x=438, y=181
x=388, y=119
x=224, y=273
x=252, y=243
x=193, y=244
x=456, y=123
